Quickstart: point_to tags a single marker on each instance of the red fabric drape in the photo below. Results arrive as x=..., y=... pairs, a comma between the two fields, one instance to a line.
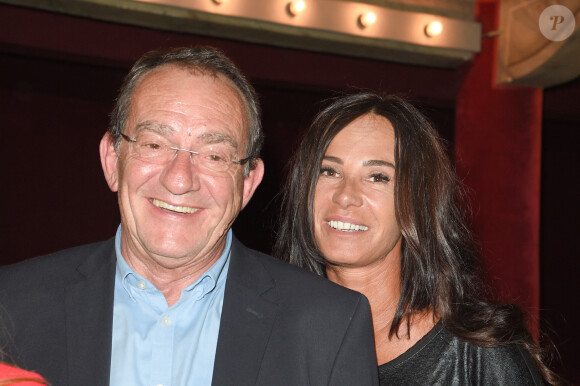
x=19, y=376
x=498, y=155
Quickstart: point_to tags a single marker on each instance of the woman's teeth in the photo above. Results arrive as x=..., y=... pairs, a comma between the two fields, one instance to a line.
x=346, y=227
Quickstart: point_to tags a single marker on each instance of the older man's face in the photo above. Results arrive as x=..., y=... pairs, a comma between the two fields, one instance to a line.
x=177, y=213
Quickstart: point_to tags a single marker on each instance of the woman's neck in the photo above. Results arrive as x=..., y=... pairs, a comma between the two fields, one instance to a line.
x=381, y=284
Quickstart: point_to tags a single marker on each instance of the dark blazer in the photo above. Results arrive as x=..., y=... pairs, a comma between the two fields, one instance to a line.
x=280, y=325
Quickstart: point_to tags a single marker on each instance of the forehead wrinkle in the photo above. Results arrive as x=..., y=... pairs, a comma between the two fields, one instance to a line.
x=154, y=126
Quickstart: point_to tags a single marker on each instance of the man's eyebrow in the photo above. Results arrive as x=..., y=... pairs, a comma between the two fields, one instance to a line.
x=376, y=162
x=154, y=126
x=212, y=137
x=167, y=130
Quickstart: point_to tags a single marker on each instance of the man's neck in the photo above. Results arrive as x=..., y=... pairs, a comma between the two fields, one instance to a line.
x=170, y=275
x=172, y=281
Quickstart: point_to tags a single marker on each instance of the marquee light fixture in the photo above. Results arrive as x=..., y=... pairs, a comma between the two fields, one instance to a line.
x=338, y=23
x=296, y=7
x=367, y=19
x=433, y=29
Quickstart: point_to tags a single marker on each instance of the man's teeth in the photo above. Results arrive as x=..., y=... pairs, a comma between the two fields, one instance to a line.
x=346, y=227
x=179, y=209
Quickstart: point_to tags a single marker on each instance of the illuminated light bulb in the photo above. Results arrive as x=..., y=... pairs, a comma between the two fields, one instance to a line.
x=367, y=19
x=433, y=28
x=295, y=7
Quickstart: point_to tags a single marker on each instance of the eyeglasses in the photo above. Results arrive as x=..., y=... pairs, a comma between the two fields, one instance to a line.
x=156, y=150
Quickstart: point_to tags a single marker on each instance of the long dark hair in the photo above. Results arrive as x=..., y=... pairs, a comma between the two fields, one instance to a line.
x=440, y=266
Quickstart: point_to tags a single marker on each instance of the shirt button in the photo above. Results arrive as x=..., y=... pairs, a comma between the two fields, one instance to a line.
x=141, y=285
x=166, y=321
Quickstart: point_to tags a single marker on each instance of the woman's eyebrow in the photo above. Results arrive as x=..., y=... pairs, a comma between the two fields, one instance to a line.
x=332, y=159
x=376, y=162
x=372, y=162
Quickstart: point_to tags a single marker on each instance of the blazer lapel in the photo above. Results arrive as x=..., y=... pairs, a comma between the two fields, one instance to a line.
x=248, y=314
x=89, y=318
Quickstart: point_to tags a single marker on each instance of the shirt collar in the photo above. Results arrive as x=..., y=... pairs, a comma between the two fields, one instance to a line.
x=208, y=280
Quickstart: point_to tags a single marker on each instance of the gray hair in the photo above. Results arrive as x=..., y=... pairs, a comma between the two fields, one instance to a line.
x=204, y=60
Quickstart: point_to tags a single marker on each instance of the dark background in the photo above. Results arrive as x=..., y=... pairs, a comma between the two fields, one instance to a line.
x=59, y=76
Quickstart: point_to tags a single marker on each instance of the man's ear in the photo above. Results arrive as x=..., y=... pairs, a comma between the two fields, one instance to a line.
x=109, y=159
x=252, y=181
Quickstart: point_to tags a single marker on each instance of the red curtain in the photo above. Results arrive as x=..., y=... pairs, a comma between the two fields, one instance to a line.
x=498, y=155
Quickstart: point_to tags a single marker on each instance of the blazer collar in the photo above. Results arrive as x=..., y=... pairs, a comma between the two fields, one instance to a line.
x=248, y=314
x=89, y=317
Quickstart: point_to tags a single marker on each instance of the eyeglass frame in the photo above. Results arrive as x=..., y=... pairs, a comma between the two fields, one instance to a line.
x=242, y=161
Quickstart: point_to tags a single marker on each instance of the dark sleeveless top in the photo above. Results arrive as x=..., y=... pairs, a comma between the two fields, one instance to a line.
x=440, y=358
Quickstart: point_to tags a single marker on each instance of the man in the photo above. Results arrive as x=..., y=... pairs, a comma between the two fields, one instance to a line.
x=174, y=298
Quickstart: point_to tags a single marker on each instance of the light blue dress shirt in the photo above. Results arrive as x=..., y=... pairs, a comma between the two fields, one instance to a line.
x=154, y=344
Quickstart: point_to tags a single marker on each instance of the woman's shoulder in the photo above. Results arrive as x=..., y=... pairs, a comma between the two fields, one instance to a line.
x=443, y=358
x=506, y=364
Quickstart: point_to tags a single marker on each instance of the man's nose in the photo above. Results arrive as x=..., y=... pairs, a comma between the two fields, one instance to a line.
x=181, y=174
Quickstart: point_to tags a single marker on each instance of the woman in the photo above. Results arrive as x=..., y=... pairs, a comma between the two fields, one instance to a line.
x=371, y=203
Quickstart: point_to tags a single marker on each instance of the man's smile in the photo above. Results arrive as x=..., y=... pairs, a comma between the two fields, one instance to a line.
x=174, y=208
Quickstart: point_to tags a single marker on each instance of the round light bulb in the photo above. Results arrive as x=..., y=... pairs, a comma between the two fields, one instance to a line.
x=367, y=19
x=433, y=28
x=295, y=7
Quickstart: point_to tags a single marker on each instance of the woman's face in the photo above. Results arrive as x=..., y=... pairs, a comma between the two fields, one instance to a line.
x=354, y=202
